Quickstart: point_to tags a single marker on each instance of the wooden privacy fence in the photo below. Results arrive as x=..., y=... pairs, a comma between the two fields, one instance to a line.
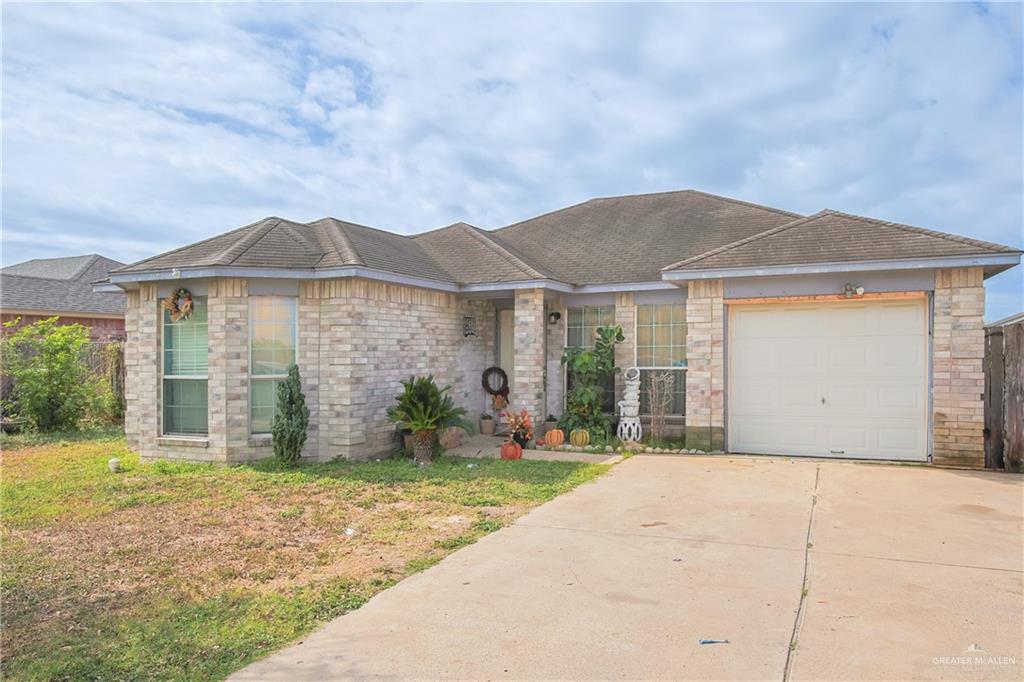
x=1004, y=397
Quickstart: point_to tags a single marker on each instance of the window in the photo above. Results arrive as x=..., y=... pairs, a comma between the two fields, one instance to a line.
x=581, y=329
x=661, y=345
x=185, y=372
x=272, y=323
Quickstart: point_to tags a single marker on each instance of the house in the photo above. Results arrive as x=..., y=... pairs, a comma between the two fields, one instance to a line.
x=44, y=287
x=828, y=335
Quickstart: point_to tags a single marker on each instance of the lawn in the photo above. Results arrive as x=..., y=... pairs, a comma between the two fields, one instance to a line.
x=181, y=571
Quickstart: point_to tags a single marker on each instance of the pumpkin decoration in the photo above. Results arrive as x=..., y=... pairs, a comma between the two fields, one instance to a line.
x=554, y=437
x=178, y=304
x=511, y=450
x=579, y=438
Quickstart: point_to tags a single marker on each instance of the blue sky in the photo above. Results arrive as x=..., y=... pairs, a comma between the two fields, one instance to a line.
x=130, y=130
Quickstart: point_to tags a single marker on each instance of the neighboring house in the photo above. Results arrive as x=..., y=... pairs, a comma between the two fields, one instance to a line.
x=45, y=287
x=1007, y=321
x=828, y=335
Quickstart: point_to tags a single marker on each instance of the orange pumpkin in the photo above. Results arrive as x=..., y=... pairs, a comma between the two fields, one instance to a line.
x=554, y=437
x=511, y=450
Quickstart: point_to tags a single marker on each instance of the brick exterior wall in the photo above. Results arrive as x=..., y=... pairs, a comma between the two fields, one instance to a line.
x=958, y=378
x=357, y=340
x=373, y=335
x=705, y=375
x=530, y=320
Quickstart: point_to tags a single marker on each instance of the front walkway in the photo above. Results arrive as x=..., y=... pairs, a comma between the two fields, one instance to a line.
x=832, y=570
x=488, y=446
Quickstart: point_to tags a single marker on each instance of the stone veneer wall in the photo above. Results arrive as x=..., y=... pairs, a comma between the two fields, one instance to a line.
x=705, y=375
x=958, y=377
x=357, y=340
x=528, y=350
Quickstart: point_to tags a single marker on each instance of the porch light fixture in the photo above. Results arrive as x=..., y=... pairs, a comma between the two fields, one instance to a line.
x=468, y=327
x=554, y=317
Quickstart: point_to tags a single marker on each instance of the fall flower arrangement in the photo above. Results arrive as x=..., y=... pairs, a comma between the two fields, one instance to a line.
x=520, y=427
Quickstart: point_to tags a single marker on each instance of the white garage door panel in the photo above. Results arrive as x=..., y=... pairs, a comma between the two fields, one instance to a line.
x=845, y=379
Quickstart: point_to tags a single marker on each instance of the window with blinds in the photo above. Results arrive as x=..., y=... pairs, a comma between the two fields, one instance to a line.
x=272, y=342
x=185, y=352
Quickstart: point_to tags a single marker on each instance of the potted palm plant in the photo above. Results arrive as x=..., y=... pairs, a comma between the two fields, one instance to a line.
x=422, y=409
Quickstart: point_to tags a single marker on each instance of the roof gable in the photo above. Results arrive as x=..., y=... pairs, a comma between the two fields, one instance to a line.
x=471, y=255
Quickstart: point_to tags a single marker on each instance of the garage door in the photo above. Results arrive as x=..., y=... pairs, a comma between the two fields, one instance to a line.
x=837, y=379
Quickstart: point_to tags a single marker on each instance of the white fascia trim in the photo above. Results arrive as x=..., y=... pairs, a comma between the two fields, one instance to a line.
x=1008, y=259
x=623, y=286
x=554, y=285
x=275, y=273
x=332, y=273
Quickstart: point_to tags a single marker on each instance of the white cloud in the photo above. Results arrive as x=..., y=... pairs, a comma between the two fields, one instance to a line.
x=125, y=125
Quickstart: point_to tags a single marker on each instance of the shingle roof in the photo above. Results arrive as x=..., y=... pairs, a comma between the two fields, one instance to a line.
x=630, y=238
x=601, y=241
x=60, y=284
x=835, y=237
x=279, y=243
x=69, y=267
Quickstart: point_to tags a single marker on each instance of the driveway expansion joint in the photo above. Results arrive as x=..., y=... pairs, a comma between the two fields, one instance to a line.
x=794, y=638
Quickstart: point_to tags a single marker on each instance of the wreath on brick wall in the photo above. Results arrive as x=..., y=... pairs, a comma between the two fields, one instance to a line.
x=179, y=304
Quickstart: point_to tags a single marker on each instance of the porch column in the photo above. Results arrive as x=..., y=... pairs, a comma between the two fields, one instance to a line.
x=705, y=374
x=625, y=352
x=555, y=346
x=958, y=383
x=528, y=350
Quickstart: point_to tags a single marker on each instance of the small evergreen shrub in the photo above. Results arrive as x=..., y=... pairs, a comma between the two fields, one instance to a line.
x=291, y=419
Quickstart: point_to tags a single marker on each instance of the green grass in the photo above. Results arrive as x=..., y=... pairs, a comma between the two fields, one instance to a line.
x=189, y=571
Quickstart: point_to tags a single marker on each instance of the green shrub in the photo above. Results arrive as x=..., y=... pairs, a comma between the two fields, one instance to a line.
x=588, y=367
x=52, y=383
x=291, y=418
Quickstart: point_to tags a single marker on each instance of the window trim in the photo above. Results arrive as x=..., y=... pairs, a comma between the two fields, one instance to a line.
x=267, y=377
x=636, y=351
x=163, y=432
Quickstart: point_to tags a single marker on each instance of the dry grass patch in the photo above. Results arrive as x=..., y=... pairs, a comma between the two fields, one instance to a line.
x=177, y=571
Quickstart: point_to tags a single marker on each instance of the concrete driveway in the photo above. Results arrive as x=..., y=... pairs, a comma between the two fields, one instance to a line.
x=811, y=571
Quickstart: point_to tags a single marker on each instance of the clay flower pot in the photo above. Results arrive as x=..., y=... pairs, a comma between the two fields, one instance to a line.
x=487, y=427
x=511, y=450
